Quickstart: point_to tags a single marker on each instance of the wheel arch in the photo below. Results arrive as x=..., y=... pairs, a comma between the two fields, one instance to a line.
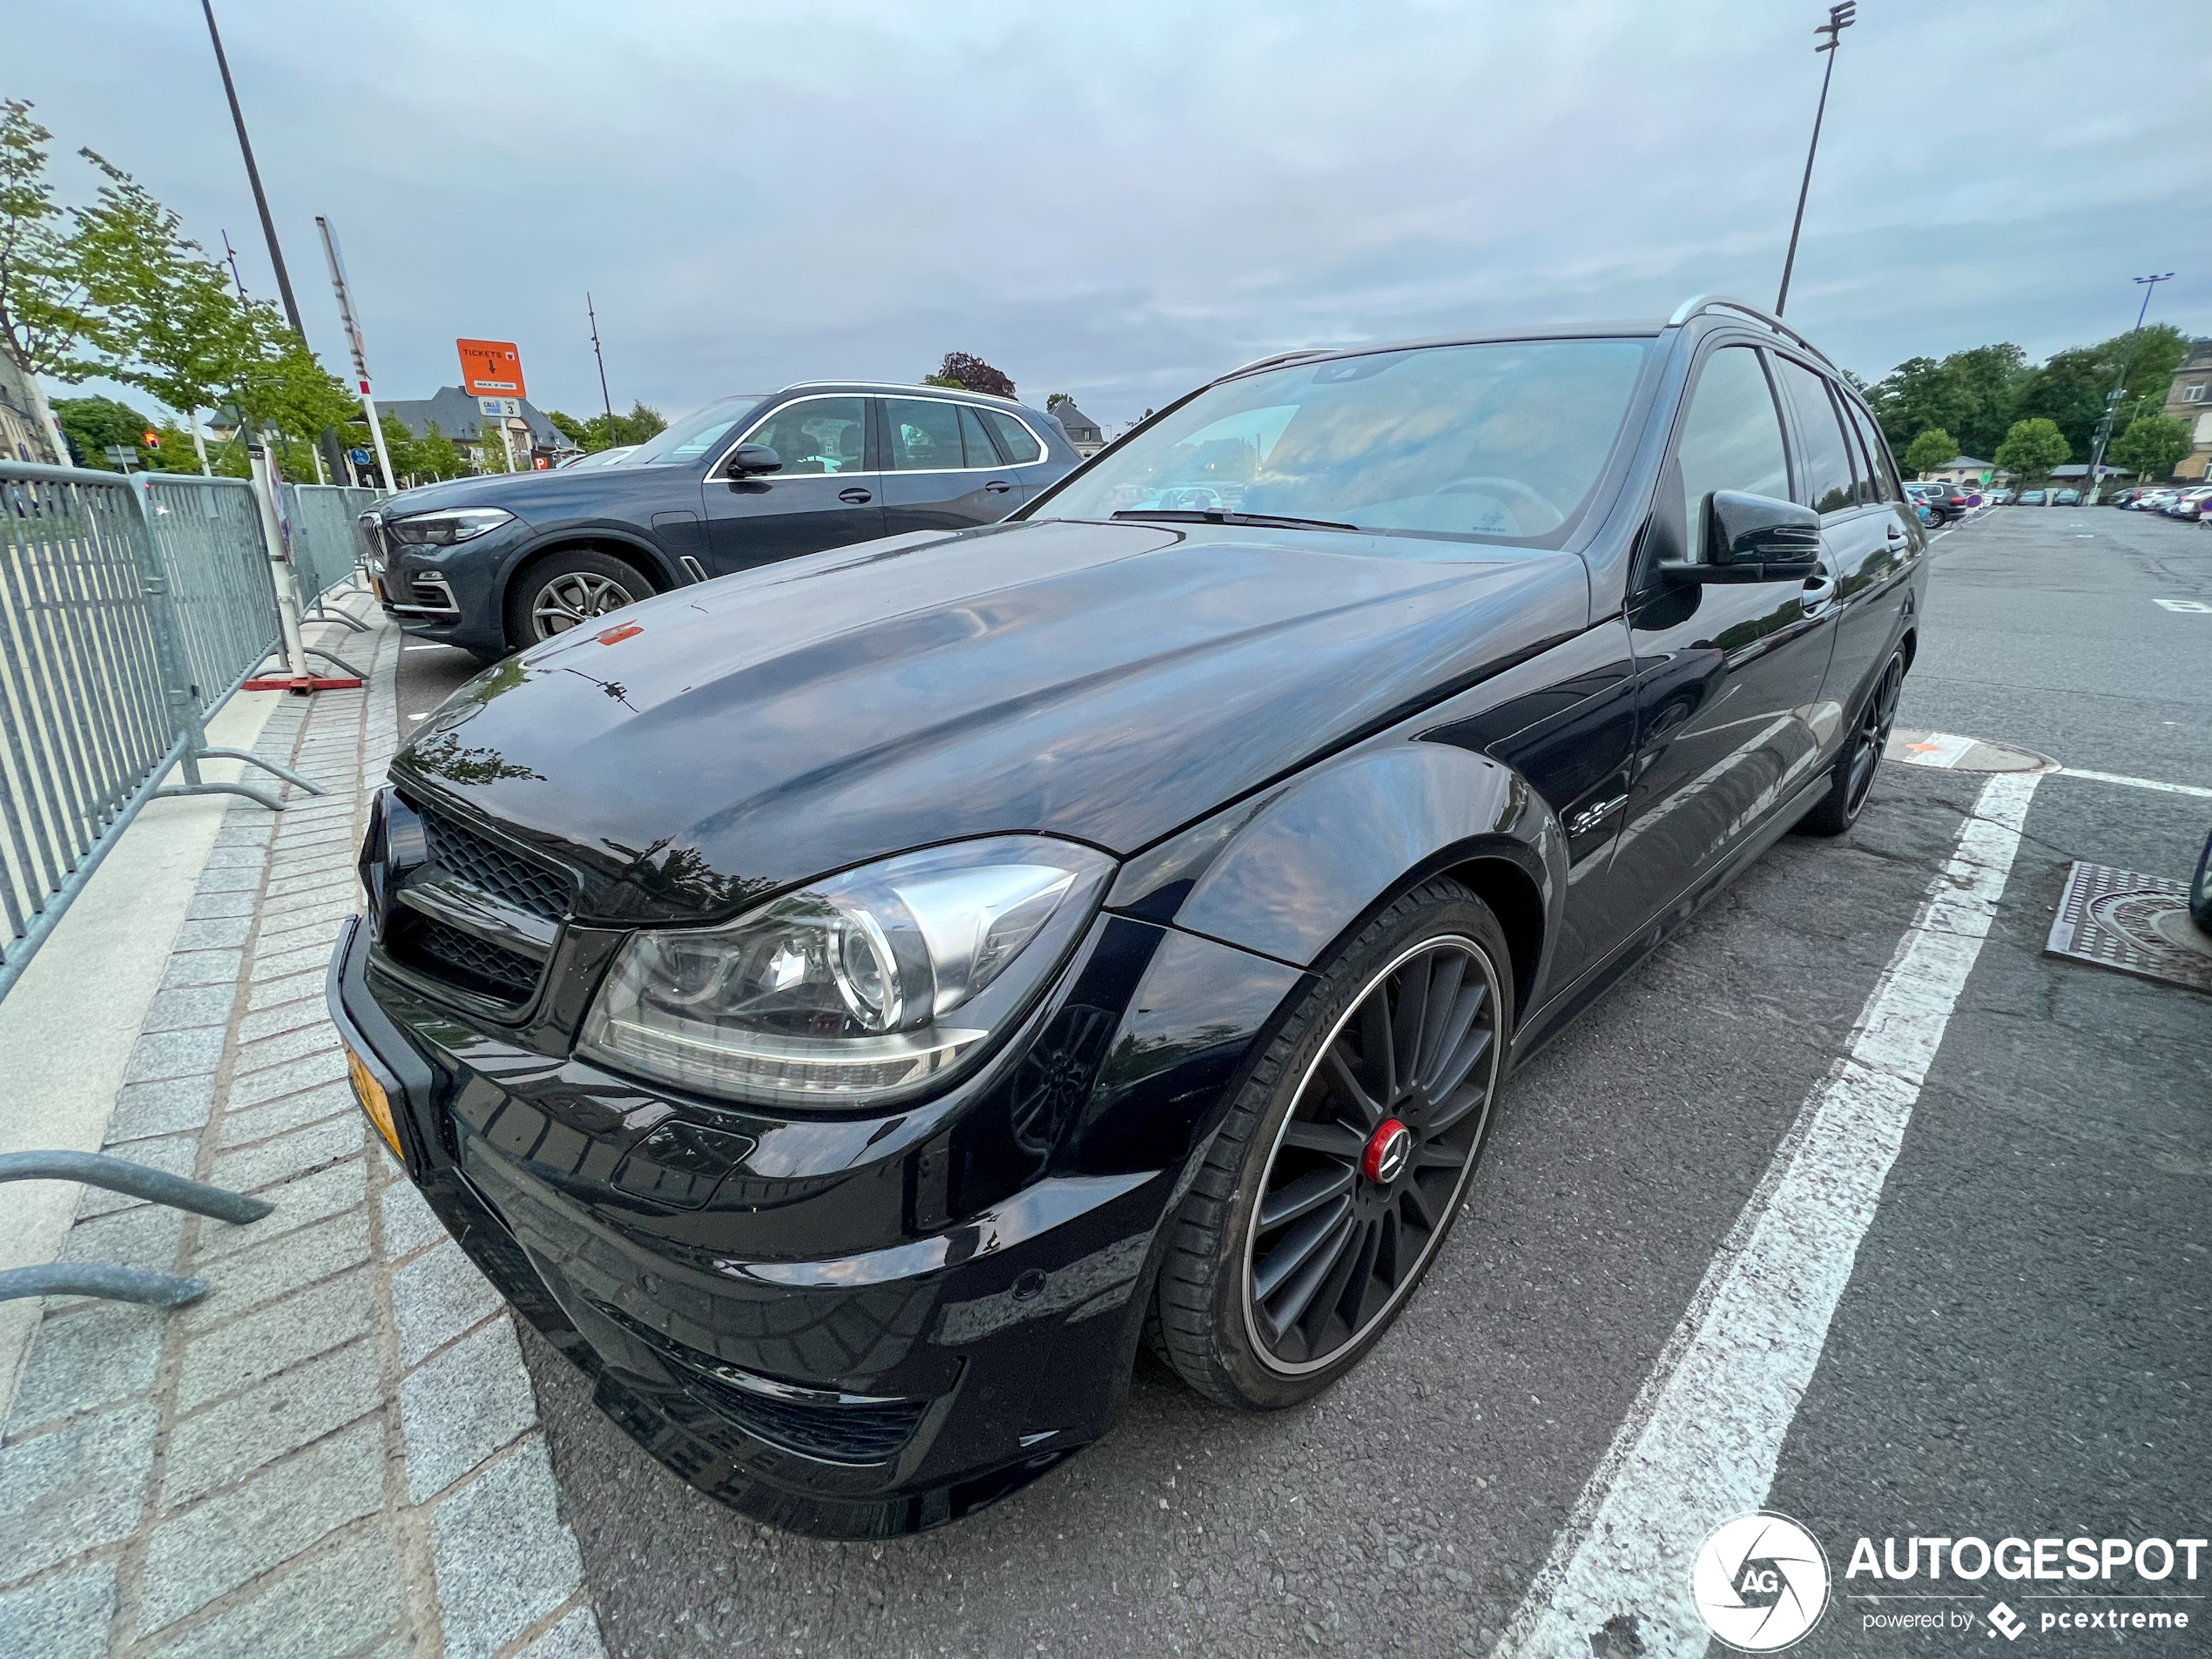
x=630, y=549
x=1316, y=860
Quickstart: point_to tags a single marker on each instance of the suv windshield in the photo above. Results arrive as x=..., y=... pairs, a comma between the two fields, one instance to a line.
x=695, y=433
x=1486, y=442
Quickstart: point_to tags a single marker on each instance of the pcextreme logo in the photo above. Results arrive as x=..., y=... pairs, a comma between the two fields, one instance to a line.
x=1760, y=1582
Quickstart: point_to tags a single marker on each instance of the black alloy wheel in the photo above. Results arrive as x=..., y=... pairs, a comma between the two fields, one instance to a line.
x=1854, y=776
x=1343, y=1160
x=1368, y=1165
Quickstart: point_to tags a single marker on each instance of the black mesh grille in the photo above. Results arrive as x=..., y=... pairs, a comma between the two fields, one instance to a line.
x=494, y=870
x=833, y=1432
x=836, y=1431
x=468, y=961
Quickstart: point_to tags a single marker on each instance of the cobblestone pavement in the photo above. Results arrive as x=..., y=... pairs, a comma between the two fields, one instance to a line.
x=336, y=1450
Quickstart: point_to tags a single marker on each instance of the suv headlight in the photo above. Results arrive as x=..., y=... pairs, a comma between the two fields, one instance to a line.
x=858, y=990
x=444, y=528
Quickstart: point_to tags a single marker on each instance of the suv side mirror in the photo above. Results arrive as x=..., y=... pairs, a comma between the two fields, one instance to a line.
x=1752, y=538
x=749, y=458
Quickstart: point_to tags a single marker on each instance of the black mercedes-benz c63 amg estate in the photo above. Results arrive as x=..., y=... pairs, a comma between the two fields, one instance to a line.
x=850, y=1005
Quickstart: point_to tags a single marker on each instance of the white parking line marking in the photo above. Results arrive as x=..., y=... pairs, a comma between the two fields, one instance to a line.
x=1701, y=1442
x=2192, y=607
x=2132, y=783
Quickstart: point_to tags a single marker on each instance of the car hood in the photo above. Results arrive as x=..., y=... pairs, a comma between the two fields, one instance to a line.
x=1109, y=683
x=511, y=490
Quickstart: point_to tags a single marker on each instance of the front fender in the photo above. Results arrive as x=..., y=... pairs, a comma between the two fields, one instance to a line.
x=658, y=564
x=1289, y=874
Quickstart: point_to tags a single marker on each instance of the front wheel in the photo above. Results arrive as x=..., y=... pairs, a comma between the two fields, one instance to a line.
x=1853, y=779
x=1343, y=1159
x=567, y=590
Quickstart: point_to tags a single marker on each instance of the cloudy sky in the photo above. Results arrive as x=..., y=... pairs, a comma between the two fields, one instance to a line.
x=1118, y=200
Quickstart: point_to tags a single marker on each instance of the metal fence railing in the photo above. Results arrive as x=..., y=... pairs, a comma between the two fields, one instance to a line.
x=207, y=532
x=326, y=543
x=127, y=610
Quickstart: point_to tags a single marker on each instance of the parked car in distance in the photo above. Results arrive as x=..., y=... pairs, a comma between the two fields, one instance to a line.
x=495, y=564
x=2151, y=499
x=1952, y=502
x=2032, y=498
x=1916, y=496
x=2000, y=497
x=855, y=1004
x=598, y=458
x=2187, y=502
x=2066, y=498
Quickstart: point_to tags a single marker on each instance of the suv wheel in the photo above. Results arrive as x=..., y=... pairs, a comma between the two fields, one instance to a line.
x=568, y=590
x=1343, y=1159
x=1853, y=779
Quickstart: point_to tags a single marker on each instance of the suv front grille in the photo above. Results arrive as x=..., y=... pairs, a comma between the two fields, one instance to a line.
x=472, y=964
x=493, y=870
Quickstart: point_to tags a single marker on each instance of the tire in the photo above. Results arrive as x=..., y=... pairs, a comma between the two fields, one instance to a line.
x=1240, y=1313
x=570, y=588
x=2200, y=890
x=1852, y=778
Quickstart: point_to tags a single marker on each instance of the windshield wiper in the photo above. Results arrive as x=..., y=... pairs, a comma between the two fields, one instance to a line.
x=1223, y=515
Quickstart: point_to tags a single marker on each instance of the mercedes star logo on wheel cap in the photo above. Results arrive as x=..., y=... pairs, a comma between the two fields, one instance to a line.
x=1387, y=1150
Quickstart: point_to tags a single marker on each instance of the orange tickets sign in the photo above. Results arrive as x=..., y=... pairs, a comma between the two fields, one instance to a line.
x=491, y=368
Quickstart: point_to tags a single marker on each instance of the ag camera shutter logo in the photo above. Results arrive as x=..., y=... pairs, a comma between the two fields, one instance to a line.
x=1760, y=1582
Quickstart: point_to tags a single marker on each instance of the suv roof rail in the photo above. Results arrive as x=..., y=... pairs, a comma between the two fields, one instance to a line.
x=1273, y=358
x=901, y=385
x=1705, y=302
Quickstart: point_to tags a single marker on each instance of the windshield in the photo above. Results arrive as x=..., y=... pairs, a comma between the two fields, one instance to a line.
x=1491, y=442
x=695, y=433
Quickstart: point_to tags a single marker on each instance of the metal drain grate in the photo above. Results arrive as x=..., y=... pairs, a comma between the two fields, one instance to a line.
x=2139, y=924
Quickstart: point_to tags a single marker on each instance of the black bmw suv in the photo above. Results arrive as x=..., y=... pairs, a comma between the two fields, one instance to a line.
x=849, y=1006
x=495, y=564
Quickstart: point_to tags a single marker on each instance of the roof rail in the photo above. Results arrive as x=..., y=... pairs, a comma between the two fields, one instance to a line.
x=1273, y=358
x=902, y=386
x=1705, y=302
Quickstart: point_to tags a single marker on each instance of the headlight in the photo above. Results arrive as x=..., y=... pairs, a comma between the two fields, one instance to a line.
x=861, y=989
x=443, y=530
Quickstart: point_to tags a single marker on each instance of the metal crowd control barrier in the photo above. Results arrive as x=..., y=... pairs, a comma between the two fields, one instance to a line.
x=128, y=611
x=326, y=545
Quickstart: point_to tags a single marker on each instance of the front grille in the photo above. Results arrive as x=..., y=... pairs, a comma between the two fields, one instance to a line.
x=836, y=1431
x=833, y=1431
x=494, y=871
x=472, y=964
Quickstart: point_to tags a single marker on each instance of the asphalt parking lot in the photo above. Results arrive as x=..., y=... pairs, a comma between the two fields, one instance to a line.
x=2022, y=1347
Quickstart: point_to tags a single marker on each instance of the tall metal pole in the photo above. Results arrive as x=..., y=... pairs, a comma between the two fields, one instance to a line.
x=253, y=176
x=601, y=362
x=1839, y=18
x=359, y=346
x=2119, y=389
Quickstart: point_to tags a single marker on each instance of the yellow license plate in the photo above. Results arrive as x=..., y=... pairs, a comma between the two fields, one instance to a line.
x=373, y=1101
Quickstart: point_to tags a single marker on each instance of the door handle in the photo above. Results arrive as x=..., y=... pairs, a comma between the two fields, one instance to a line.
x=998, y=486
x=857, y=495
x=1820, y=593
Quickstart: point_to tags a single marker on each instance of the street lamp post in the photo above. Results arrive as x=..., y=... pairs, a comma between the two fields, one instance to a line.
x=1841, y=17
x=2149, y=285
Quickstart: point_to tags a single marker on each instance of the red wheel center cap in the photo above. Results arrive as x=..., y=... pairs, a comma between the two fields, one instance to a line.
x=1387, y=1150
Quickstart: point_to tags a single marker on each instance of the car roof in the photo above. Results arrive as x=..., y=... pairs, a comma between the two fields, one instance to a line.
x=900, y=386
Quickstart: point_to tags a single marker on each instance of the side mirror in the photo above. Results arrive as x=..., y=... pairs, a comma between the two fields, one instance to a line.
x=1752, y=538
x=749, y=458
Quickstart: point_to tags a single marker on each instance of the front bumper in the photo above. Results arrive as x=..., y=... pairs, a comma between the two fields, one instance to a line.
x=450, y=595
x=844, y=1327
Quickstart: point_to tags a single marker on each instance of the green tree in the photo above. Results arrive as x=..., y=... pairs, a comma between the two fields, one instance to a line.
x=2033, y=447
x=42, y=310
x=94, y=425
x=2151, y=446
x=1933, y=449
x=1057, y=401
x=1969, y=392
x=165, y=319
x=642, y=422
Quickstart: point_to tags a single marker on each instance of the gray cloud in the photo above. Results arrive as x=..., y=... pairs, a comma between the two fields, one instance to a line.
x=1118, y=201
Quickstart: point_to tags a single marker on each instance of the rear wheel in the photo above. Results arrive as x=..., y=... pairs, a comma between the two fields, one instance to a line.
x=567, y=590
x=1853, y=779
x=1343, y=1160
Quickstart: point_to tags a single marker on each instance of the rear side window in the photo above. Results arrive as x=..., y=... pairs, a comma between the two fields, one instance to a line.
x=1731, y=438
x=1013, y=436
x=974, y=441
x=925, y=434
x=1882, y=476
x=1830, y=482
